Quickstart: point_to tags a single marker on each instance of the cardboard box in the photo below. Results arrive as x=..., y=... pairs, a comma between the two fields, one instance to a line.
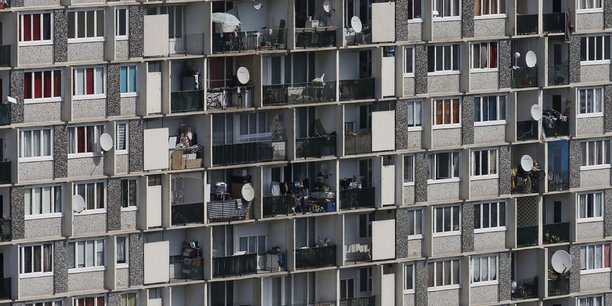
x=193, y=163
x=176, y=162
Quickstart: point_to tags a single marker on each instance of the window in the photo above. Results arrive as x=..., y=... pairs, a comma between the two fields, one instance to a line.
x=365, y=279
x=443, y=273
x=484, y=269
x=35, y=28
x=414, y=9
x=86, y=254
x=489, y=216
x=489, y=108
x=84, y=139
x=484, y=162
x=447, y=8
x=489, y=7
x=89, y=301
x=129, y=193
x=590, y=206
x=253, y=123
x=86, y=24
x=591, y=300
x=594, y=256
x=484, y=55
x=409, y=61
x=43, y=200
x=446, y=219
x=36, y=144
x=591, y=100
x=89, y=81
x=596, y=152
x=415, y=218
x=175, y=19
x=443, y=58
x=448, y=111
x=415, y=114
x=121, y=26
x=128, y=79
x=36, y=258
x=408, y=169
x=365, y=225
x=122, y=249
x=121, y=139
x=443, y=165
x=42, y=85
x=128, y=299
x=253, y=244
x=594, y=48
x=93, y=193
x=47, y=303
x=408, y=277
x=590, y=4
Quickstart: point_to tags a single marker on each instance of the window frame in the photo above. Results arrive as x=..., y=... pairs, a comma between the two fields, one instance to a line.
x=129, y=93
x=451, y=4
x=451, y=262
x=585, y=43
x=500, y=114
x=409, y=283
x=410, y=180
x=126, y=251
x=414, y=126
x=95, y=146
x=490, y=164
x=126, y=135
x=595, y=195
x=443, y=71
x=482, y=15
x=54, y=97
x=52, y=204
x=136, y=200
x=135, y=294
x=85, y=95
x=585, y=299
x=432, y=167
x=97, y=208
x=500, y=206
x=96, y=266
x=75, y=300
x=479, y=259
x=409, y=59
x=23, y=274
x=452, y=231
x=589, y=251
x=597, y=106
x=46, y=303
x=31, y=42
x=451, y=124
x=594, y=9
x=413, y=214
x=42, y=156
x=95, y=38
x=119, y=36
x=488, y=50
x=602, y=150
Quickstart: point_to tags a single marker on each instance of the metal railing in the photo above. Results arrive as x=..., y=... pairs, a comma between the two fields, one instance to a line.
x=248, y=152
x=526, y=236
x=185, y=268
x=5, y=114
x=527, y=24
x=5, y=55
x=525, y=289
x=225, y=211
x=558, y=74
x=234, y=265
x=526, y=130
x=357, y=143
x=525, y=77
x=358, y=252
x=556, y=233
x=553, y=22
x=315, y=257
x=300, y=93
x=275, y=94
x=187, y=214
x=317, y=146
x=5, y=172
x=359, y=301
x=357, y=89
x=357, y=198
x=278, y=205
x=187, y=101
x=229, y=97
x=315, y=37
x=266, y=39
x=558, y=181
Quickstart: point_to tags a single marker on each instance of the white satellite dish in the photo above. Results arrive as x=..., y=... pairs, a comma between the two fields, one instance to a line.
x=526, y=163
x=561, y=261
x=106, y=142
x=10, y=99
x=78, y=203
x=243, y=75
x=327, y=6
x=536, y=112
x=517, y=55
x=531, y=59
x=257, y=5
x=356, y=24
x=248, y=193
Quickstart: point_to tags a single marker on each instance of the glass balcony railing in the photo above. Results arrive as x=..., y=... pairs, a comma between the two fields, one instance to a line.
x=357, y=143
x=357, y=198
x=553, y=22
x=525, y=289
x=554, y=124
x=299, y=93
x=315, y=257
x=5, y=55
x=317, y=146
x=5, y=114
x=558, y=75
x=359, y=301
x=248, y=152
x=558, y=181
x=187, y=214
x=526, y=236
x=527, y=24
x=229, y=210
x=187, y=101
x=234, y=265
x=523, y=77
x=357, y=89
x=266, y=39
x=556, y=233
x=5, y=288
x=5, y=172
x=527, y=130
x=315, y=37
x=182, y=268
x=558, y=283
x=229, y=97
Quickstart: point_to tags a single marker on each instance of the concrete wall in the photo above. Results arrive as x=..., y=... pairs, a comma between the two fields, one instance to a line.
x=489, y=134
x=443, y=83
x=446, y=245
x=489, y=241
x=42, y=112
x=89, y=223
x=90, y=51
x=441, y=138
x=589, y=230
x=594, y=177
x=33, y=171
x=489, y=27
x=484, y=80
x=589, y=126
x=444, y=297
x=443, y=191
x=83, y=281
x=47, y=227
x=484, y=188
x=484, y=294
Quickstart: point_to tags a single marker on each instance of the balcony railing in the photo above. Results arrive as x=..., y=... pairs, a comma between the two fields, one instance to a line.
x=229, y=97
x=299, y=93
x=525, y=77
x=526, y=182
x=183, y=268
x=526, y=130
x=5, y=172
x=357, y=143
x=234, y=265
x=357, y=198
x=360, y=301
x=248, y=152
x=278, y=205
x=554, y=22
x=315, y=257
x=526, y=236
x=525, y=289
x=558, y=75
x=5, y=288
x=555, y=124
x=187, y=101
x=275, y=94
x=527, y=24
x=358, y=252
x=316, y=146
x=230, y=210
x=266, y=39
x=315, y=37
x=188, y=214
x=5, y=114
x=559, y=285
x=5, y=55
x=558, y=181
x=358, y=89
x=556, y=233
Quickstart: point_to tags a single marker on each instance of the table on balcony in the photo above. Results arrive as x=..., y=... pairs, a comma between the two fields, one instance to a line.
x=314, y=257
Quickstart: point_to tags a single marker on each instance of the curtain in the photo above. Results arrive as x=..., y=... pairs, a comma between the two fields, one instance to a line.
x=36, y=27
x=99, y=80
x=493, y=55
x=477, y=7
x=89, y=81
x=46, y=26
x=57, y=83
x=47, y=90
x=38, y=84
x=48, y=257
x=455, y=111
x=27, y=85
x=27, y=27
x=100, y=195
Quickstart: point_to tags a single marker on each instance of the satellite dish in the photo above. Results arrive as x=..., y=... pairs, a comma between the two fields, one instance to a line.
x=531, y=59
x=561, y=261
x=106, y=142
x=78, y=203
x=257, y=5
x=243, y=75
x=536, y=112
x=327, y=6
x=356, y=24
x=248, y=193
x=526, y=163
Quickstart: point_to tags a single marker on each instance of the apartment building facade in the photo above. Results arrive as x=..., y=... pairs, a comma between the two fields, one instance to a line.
x=305, y=152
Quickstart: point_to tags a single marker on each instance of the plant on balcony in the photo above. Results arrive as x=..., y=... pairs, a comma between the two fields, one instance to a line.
x=556, y=276
x=551, y=238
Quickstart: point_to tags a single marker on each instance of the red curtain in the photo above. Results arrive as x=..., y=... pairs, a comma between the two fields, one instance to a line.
x=89, y=85
x=89, y=301
x=606, y=255
x=27, y=85
x=100, y=301
x=38, y=84
x=47, y=81
x=493, y=55
x=26, y=28
x=90, y=138
x=80, y=139
x=57, y=83
x=36, y=27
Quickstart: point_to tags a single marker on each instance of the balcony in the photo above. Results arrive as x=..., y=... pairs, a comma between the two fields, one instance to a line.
x=525, y=289
x=526, y=236
x=558, y=283
x=5, y=288
x=299, y=93
x=526, y=182
x=556, y=233
x=527, y=24
x=188, y=214
x=558, y=181
x=5, y=114
x=555, y=124
x=358, y=252
x=554, y=22
x=523, y=77
x=315, y=37
x=290, y=204
x=266, y=39
x=234, y=265
x=360, y=301
x=317, y=146
x=357, y=198
x=315, y=257
x=5, y=172
x=187, y=101
x=5, y=55
x=558, y=75
x=248, y=152
x=358, y=89
x=526, y=130
x=357, y=143
x=186, y=268
x=229, y=210
x=229, y=97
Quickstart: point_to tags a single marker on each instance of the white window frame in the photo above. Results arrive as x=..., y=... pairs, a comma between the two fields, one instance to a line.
x=432, y=159
x=126, y=141
x=452, y=231
x=99, y=207
x=49, y=99
x=96, y=266
x=594, y=300
x=412, y=107
x=602, y=45
x=451, y=7
x=129, y=293
x=41, y=42
x=52, y=204
x=85, y=96
x=46, y=303
x=409, y=51
x=483, y=15
x=590, y=6
x=75, y=300
x=488, y=262
x=412, y=19
x=407, y=267
x=488, y=64
x=127, y=23
x=589, y=253
x=135, y=206
x=126, y=244
x=77, y=39
x=42, y=259
x=601, y=147
x=450, y=263
x=444, y=71
x=409, y=158
x=414, y=214
x=41, y=157
x=500, y=206
x=96, y=150
x=490, y=164
x=129, y=93
x=597, y=104
x=452, y=114
x=479, y=102
x=597, y=206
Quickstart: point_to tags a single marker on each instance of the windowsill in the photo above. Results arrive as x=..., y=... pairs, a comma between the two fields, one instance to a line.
x=43, y=216
x=122, y=266
x=128, y=209
x=415, y=129
x=446, y=126
x=443, y=181
x=442, y=288
x=447, y=18
x=88, y=97
x=84, y=155
x=415, y=20
x=596, y=62
x=484, y=177
x=594, y=271
x=443, y=73
x=410, y=291
x=590, y=10
x=490, y=16
x=87, y=269
x=484, y=70
x=589, y=220
x=415, y=237
x=595, y=167
x=35, y=275
x=487, y=283
x=122, y=152
x=35, y=43
x=91, y=212
x=35, y=159
x=409, y=75
x=85, y=40
x=122, y=38
x=129, y=95
x=589, y=115
x=489, y=230
x=408, y=184
x=42, y=100
x=489, y=123
x=446, y=234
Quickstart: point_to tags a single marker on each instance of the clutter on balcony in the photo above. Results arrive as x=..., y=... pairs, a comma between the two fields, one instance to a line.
x=229, y=37
x=192, y=260
x=354, y=193
x=237, y=92
x=185, y=151
x=299, y=197
x=233, y=205
x=276, y=260
x=526, y=178
x=555, y=123
x=321, y=255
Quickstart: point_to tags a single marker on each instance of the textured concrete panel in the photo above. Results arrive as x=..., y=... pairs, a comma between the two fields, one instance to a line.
x=447, y=137
x=490, y=27
x=484, y=188
x=490, y=134
x=32, y=3
x=113, y=205
x=17, y=213
x=414, y=139
x=467, y=18
x=136, y=29
x=86, y=281
x=504, y=170
x=484, y=80
x=16, y=91
x=90, y=51
x=595, y=73
x=505, y=63
x=128, y=220
x=42, y=112
x=89, y=109
x=415, y=31
x=17, y=3
x=136, y=254
x=415, y=248
x=467, y=227
x=136, y=150
x=121, y=163
x=36, y=286
x=447, y=30
x=122, y=49
x=574, y=59
x=607, y=108
x=594, y=178
x=409, y=87
x=589, y=126
x=401, y=125
x=60, y=151
x=401, y=20
x=444, y=83
x=408, y=195
x=608, y=212
x=60, y=35
x=575, y=160
x=114, y=298
x=409, y=299
x=595, y=281
x=35, y=171
x=446, y=245
x=60, y=266
x=484, y=294
x=401, y=233
x=607, y=4
x=123, y=277
x=113, y=90
x=128, y=106
x=39, y=228
x=89, y=224
x=443, y=191
x=86, y=166
x=420, y=69
x=420, y=283
x=33, y=55
x=574, y=283
x=467, y=120
x=489, y=241
x=588, y=231
x=590, y=21
x=448, y=297
x=505, y=276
